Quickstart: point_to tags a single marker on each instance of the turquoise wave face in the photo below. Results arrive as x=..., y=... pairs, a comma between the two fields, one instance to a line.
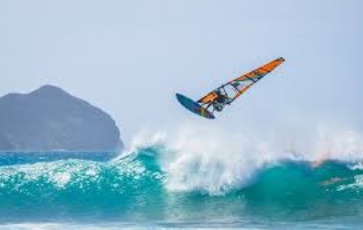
x=141, y=186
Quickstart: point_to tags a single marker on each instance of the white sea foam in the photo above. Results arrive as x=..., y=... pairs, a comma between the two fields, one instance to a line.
x=58, y=173
x=211, y=160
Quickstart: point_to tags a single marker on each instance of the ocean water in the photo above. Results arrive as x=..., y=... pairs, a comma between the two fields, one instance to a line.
x=188, y=184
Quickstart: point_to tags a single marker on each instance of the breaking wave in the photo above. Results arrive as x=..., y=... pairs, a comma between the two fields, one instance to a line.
x=193, y=176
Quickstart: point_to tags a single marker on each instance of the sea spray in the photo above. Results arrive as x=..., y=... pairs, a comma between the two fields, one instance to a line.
x=194, y=174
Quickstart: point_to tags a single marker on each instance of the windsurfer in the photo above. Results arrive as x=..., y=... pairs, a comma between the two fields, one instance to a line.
x=220, y=101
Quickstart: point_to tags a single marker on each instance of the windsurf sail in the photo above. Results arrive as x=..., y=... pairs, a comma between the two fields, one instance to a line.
x=228, y=92
x=236, y=87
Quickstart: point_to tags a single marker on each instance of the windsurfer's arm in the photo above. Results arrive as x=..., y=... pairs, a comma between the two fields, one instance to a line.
x=209, y=105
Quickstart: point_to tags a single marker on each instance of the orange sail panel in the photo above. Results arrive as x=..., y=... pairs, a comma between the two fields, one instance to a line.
x=261, y=71
x=241, y=84
x=208, y=98
x=244, y=82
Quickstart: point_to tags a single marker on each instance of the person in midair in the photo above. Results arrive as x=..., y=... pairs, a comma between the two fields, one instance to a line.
x=221, y=100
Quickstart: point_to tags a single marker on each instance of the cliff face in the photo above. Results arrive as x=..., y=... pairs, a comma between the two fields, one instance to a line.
x=50, y=119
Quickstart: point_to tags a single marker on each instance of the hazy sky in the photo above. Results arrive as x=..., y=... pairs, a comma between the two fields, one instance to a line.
x=130, y=57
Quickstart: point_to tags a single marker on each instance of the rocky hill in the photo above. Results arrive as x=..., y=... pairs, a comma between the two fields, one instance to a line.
x=50, y=119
